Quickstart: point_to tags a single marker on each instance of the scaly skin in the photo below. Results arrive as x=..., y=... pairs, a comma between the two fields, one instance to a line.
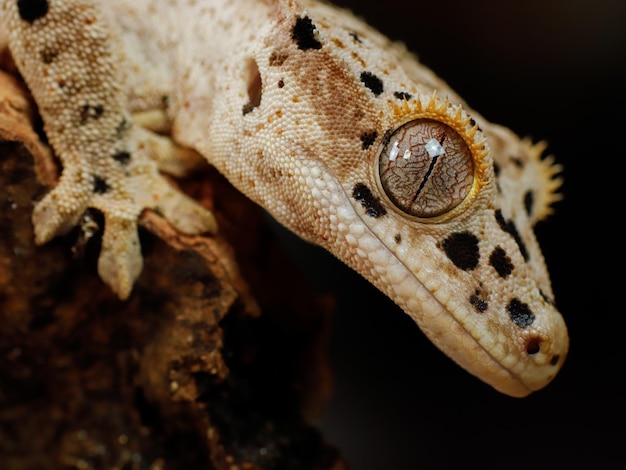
x=341, y=134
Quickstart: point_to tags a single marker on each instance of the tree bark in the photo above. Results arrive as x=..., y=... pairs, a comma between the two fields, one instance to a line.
x=217, y=360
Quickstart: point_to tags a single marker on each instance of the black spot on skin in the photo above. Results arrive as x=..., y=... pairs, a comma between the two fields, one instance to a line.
x=48, y=55
x=402, y=95
x=31, y=10
x=529, y=201
x=479, y=304
x=462, y=249
x=165, y=101
x=100, y=186
x=496, y=172
x=509, y=227
x=397, y=238
x=473, y=123
x=520, y=313
x=368, y=139
x=123, y=157
x=281, y=83
x=373, y=206
x=303, y=33
x=554, y=360
x=372, y=82
x=501, y=262
x=87, y=111
x=356, y=38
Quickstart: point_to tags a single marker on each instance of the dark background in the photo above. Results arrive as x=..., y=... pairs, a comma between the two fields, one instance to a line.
x=553, y=70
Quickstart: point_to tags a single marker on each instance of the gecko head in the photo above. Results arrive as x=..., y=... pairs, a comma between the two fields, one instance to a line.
x=405, y=187
x=450, y=239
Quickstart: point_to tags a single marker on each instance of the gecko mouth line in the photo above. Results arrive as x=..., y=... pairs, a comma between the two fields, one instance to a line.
x=493, y=364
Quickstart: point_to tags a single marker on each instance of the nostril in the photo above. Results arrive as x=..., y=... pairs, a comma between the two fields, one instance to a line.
x=533, y=346
x=554, y=360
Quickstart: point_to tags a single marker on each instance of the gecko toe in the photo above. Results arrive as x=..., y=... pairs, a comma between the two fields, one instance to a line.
x=120, y=260
x=58, y=212
x=187, y=215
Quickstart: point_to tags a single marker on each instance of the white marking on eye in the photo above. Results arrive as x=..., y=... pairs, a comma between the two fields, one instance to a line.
x=434, y=148
x=393, y=153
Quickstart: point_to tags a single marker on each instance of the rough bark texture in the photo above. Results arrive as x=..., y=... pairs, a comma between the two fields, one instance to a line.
x=216, y=361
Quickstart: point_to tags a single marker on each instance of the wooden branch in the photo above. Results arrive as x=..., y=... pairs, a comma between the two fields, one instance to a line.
x=217, y=360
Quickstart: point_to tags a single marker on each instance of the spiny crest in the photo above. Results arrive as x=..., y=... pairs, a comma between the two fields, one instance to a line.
x=455, y=117
x=548, y=172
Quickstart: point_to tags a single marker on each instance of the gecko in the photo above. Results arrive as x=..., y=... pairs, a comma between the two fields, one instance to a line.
x=341, y=134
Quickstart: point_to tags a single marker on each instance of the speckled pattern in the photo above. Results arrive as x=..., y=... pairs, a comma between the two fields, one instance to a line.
x=294, y=102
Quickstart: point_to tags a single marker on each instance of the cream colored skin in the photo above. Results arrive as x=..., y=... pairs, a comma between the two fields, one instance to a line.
x=284, y=121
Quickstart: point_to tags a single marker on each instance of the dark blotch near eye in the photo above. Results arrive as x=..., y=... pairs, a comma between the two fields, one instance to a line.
x=473, y=123
x=368, y=139
x=509, y=227
x=31, y=10
x=373, y=206
x=501, y=262
x=372, y=82
x=462, y=249
x=402, y=95
x=304, y=34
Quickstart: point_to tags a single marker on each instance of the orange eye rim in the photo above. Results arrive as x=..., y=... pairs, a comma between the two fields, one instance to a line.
x=455, y=117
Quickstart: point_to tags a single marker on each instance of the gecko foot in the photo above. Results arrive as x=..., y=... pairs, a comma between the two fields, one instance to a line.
x=120, y=188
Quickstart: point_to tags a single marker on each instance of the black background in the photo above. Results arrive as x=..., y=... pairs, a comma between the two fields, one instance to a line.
x=553, y=70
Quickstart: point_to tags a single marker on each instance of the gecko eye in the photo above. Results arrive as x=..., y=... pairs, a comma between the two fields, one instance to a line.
x=426, y=168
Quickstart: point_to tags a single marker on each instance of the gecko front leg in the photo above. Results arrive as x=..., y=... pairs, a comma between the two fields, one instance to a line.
x=69, y=56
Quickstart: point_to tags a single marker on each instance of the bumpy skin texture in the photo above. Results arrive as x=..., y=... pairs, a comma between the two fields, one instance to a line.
x=294, y=102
